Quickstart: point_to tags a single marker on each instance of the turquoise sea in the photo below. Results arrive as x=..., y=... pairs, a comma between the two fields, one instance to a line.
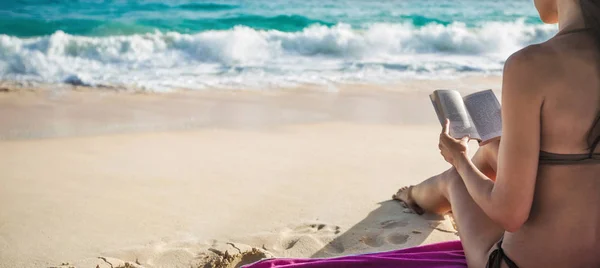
x=168, y=44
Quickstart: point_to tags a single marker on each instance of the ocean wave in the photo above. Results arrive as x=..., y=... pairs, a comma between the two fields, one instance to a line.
x=29, y=27
x=280, y=22
x=420, y=20
x=245, y=56
x=207, y=6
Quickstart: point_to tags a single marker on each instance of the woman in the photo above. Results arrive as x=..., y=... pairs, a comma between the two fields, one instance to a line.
x=533, y=198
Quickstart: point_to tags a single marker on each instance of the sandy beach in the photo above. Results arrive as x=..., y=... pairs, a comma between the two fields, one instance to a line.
x=215, y=178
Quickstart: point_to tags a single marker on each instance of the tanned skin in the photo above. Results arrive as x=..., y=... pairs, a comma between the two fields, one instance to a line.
x=549, y=215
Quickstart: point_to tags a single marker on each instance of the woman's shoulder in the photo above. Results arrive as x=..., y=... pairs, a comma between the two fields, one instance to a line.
x=533, y=67
x=539, y=57
x=550, y=58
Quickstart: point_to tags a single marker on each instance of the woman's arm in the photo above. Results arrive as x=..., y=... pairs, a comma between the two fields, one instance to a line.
x=508, y=200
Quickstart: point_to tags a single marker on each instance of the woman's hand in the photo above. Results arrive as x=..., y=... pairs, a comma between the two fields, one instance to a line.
x=450, y=148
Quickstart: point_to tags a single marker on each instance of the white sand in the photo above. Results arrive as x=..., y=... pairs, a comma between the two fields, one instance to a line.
x=170, y=180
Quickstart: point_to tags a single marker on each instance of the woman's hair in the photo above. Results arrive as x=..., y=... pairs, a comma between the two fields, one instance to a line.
x=590, y=10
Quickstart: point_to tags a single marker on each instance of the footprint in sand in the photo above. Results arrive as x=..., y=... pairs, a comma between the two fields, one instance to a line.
x=386, y=234
x=373, y=240
x=393, y=224
x=320, y=228
x=379, y=240
x=397, y=238
x=309, y=237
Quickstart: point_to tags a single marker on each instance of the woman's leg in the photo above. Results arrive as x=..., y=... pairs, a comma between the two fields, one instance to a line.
x=428, y=195
x=478, y=233
x=447, y=191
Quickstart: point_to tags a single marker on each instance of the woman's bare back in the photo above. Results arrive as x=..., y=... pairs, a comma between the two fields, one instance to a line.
x=524, y=201
x=563, y=228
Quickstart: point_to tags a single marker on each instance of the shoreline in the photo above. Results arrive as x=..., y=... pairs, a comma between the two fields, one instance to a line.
x=405, y=84
x=59, y=110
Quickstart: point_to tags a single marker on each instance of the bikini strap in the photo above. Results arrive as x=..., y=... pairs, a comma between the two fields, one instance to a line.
x=573, y=31
x=497, y=256
x=594, y=137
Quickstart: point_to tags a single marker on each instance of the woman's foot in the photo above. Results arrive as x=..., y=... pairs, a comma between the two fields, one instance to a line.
x=404, y=195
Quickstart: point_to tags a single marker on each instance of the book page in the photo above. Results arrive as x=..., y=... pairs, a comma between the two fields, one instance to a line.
x=437, y=107
x=484, y=109
x=452, y=107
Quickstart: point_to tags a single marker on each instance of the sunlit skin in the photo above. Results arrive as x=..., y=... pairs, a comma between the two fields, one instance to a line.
x=549, y=215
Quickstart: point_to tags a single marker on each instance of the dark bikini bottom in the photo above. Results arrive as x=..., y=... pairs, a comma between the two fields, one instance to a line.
x=497, y=256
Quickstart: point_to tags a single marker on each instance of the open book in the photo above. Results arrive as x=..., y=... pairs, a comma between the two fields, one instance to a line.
x=476, y=115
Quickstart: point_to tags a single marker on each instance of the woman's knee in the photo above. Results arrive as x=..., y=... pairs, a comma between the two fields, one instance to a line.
x=451, y=182
x=486, y=159
x=491, y=150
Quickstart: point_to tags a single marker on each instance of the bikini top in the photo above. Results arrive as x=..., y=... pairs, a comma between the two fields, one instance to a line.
x=573, y=159
x=593, y=139
x=547, y=158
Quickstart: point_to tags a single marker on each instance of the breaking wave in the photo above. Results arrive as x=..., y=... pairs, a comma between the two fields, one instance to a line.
x=244, y=56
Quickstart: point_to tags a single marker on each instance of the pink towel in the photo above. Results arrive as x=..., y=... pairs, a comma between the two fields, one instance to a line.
x=441, y=255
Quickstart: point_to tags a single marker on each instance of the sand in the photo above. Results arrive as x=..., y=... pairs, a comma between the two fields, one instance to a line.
x=103, y=178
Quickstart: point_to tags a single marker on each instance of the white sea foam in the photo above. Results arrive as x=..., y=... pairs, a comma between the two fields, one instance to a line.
x=244, y=57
